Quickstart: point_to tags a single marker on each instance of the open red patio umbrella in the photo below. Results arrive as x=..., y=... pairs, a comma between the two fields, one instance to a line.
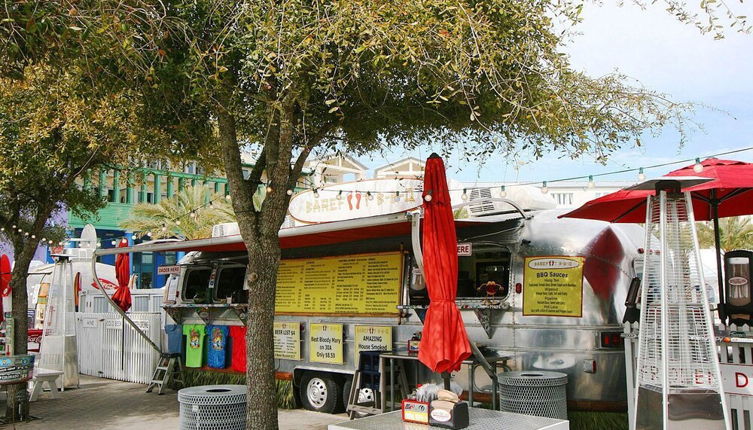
x=729, y=194
x=122, y=296
x=444, y=343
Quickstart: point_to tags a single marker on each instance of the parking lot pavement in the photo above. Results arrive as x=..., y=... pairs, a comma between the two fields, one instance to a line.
x=106, y=404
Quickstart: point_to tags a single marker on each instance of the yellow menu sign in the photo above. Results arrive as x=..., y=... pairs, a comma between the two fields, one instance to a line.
x=326, y=343
x=347, y=285
x=287, y=337
x=553, y=286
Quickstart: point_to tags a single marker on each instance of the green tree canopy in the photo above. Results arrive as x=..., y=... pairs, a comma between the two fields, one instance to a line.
x=734, y=233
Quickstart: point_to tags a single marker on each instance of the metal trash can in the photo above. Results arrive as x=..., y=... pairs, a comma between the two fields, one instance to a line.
x=213, y=407
x=535, y=392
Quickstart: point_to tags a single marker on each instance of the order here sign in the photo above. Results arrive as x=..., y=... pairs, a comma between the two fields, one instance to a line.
x=737, y=378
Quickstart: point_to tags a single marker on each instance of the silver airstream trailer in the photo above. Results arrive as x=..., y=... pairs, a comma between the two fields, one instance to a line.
x=540, y=292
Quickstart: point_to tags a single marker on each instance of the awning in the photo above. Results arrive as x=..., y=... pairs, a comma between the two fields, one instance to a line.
x=299, y=237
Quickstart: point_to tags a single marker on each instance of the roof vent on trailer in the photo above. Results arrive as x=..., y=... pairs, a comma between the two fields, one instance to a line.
x=481, y=207
x=225, y=229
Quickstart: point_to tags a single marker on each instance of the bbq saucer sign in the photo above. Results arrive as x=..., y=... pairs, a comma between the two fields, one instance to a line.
x=356, y=200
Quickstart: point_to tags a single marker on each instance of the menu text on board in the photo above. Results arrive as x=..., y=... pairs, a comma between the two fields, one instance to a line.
x=287, y=338
x=348, y=285
x=553, y=286
x=326, y=343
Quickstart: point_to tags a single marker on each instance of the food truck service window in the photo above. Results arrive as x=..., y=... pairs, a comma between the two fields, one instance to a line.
x=196, y=284
x=485, y=273
x=229, y=280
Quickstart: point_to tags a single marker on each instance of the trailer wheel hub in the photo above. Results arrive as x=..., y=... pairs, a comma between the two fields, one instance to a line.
x=316, y=391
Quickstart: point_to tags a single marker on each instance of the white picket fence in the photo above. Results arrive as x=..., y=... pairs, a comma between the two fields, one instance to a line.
x=110, y=348
x=736, y=360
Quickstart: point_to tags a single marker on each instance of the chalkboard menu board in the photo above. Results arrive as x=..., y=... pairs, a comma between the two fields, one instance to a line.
x=16, y=368
x=364, y=284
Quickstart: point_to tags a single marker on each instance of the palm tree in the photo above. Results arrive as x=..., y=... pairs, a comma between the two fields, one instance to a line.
x=189, y=214
x=734, y=232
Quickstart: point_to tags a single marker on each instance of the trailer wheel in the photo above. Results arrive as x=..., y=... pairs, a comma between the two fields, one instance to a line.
x=320, y=392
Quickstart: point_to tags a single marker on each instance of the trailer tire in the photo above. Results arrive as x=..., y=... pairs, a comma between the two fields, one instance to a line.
x=320, y=392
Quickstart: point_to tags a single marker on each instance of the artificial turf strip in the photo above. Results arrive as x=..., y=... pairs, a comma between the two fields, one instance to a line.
x=580, y=420
x=193, y=378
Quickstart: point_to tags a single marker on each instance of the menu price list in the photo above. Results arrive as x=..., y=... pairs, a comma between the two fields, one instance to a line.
x=354, y=284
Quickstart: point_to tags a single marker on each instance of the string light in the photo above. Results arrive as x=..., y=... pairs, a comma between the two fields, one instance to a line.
x=397, y=196
x=289, y=192
x=269, y=188
x=177, y=222
x=698, y=168
x=544, y=188
x=192, y=214
x=149, y=233
x=502, y=192
x=316, y=193
x=428, y=197
x=465, y=195
x=591, y=183
x=340, y=195
x=369, y=196
x=228, y=198
x=641, y=175
x=33, y=236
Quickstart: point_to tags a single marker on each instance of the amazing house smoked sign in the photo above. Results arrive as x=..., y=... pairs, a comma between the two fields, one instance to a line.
x=553, y=286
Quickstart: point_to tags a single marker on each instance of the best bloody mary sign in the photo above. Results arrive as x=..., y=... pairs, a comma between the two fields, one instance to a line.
x=553, y=286
x=326, y=343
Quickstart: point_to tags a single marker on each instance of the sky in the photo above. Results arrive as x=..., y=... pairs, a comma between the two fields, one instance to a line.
x=661, y=54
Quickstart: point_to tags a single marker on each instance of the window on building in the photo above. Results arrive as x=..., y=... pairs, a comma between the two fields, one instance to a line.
x=563, y=198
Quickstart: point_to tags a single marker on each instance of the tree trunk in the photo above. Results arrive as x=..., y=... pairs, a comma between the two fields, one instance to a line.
x=18, y=403
x=264, y=257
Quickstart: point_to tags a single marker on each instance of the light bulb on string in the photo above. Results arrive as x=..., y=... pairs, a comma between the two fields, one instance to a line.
x=14, y=226
x=641, y=175
x=269, y=188
x=289, y=192
x=114, y=243
x=591, y=183
x=50, y=242
x=211, y=204
x=192, y=214
x=339, y=195
x=464, y=196
x=428, y=197
x=20, y=230
x=316, y=193
x=177, y=222
x=502, y=192
x=228, y=198
x=149, y=234
x=369, y=196
x=544, y=188
x=33, y=236
x=44, y=239
x=2, y=228
x=26, y=234
x=698, y=168
x=397, y=196
x=164, y=228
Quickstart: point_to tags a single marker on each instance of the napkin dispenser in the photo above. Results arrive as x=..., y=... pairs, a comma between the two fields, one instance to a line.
x=448, y=411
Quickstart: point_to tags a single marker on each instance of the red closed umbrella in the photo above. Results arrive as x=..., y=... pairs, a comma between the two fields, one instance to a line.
x=729, y=194
x=122, y=296
x=444, y=343
x=5, y=271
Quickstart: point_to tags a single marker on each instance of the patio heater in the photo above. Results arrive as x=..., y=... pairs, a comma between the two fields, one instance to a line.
x=678, y=383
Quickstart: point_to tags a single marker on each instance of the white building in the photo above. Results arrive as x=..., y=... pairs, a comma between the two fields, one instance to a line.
x=407, y=167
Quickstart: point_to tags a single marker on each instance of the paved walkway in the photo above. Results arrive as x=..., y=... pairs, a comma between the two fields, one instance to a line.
x=108, y=405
